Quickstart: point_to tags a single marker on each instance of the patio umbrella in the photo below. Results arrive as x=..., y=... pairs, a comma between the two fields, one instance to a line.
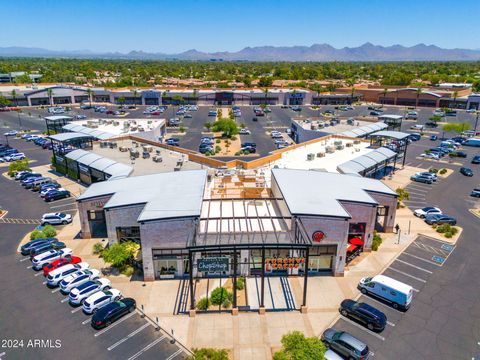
x=356, y=241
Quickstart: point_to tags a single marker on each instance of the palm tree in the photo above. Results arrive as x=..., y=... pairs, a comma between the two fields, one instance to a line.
x=135, y=94
x=455, y=95
x=384, y=93
x=418, y=92
x=195, y=96
x=14, y=97
x=50, y=96
x=265, y=91
x=351, y=83
x=90, y=93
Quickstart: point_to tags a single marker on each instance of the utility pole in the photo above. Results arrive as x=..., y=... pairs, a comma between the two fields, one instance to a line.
x=476, y=123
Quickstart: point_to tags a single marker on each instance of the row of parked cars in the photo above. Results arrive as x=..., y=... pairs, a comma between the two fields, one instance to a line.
x=434, y=215
x=83, y=285
x=154, y=110
x=343, y=345
x=48, y=188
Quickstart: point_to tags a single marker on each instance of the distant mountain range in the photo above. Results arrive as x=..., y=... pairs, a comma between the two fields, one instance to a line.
x=316, y=52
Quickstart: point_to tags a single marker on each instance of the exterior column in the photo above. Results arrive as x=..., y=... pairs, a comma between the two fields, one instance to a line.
x=303, y=309
x=235, y=309
x=261, y=310
x=192, y=311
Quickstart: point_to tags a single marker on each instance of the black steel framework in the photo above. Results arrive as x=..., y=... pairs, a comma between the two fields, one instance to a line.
x=232, y=239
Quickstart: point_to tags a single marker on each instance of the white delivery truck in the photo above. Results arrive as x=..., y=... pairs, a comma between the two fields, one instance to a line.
x=388, y=289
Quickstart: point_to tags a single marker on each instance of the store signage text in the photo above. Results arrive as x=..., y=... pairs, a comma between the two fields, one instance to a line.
x=318, y=236
x=284, y=263
x=213, y=264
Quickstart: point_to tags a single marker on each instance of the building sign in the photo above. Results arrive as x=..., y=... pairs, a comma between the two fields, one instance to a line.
x=213, y=264
x=284, y=263
x=98, y=204
x=318, y=236
x=296, y=95
x=151, y=94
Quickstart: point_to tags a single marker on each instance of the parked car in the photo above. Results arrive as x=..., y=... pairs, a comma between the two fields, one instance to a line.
x=429, y=210
x=41, y=248
x=417, y=127
x=475, y=193
x=431, y=124
x=70, y=259
x=49, y=256
x=460, y=154
x=112, y=312
x=25, y=249
x=56, y=219
x=26, y=175
x=79, y=293
x=19, y=174
x=249, y=144
x=440, y=219
x=15, y=157
x=411, y=115
x=36, y=185
x=369, y=316
x=45, y=191
x=476, y=159
x=345, y=344
x=34, y=181
x=421, y=179
x=415, y=136
x=99, y=299
x=57, y=275
x=466, y=171
x=428, y=174
x=244, y=131
x=388, y=289
x=56, y=195
x=173, y=141
x=78, y=278
x=10, y=133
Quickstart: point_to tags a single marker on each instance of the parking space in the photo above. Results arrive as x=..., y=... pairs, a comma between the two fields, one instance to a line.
x=132, y=336
x=413, y=266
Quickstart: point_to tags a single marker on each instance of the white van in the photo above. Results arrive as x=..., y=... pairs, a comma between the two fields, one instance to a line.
x=386, y=288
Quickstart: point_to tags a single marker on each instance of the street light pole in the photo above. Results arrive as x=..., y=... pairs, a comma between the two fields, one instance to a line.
x=476, y=123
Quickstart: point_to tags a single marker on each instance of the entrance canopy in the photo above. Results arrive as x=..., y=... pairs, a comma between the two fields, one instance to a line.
x=245, y=223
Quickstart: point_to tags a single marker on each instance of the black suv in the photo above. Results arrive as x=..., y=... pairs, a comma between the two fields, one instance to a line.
x=372, y=318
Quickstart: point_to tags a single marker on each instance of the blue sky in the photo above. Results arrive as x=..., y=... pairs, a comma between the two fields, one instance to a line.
x=216, y=25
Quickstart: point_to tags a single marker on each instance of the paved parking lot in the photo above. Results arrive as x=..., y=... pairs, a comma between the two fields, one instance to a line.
x=413, y=266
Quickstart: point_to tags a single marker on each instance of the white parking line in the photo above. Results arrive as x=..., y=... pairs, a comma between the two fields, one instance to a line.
x=55, y=290
x=38, y=274
x=381, y=303
x=178, y=352
x=414, y=266
x=133, y=333
x=29, y=267
x=57, y=201
x=390, y=323
x=114, y=324
x=24, y=259
x=76, y=310
x=404, y=273
x=86, y=321
x=152, y=344
x=59, y=206
x=428, y=248
x=364, y=328
x=64, y=300
x=420, y=258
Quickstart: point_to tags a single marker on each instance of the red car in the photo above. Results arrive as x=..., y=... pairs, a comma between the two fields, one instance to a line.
x=60, y=262
x=155, y=113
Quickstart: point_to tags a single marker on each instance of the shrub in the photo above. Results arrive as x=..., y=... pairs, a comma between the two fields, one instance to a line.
x=119, y=254
x=97, y=249
x=238, y=153
x=218, y=149
x=296, y=346
x=433, y=170
x=127, y=270
x=448, y=234
x=219, y=295
x=182, y=129
x=376, y=242
x=203, y=303
x=233, y=138
x=209, y=354
x=442, y=171
x=240, y=283
x=49, y=231
x=218, y=141
x=16, y=166
x=36, y=234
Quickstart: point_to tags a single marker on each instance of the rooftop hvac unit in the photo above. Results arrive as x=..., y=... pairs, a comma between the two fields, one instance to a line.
x=310, y=157
x=356, y=142
x=349, y=144
x=337, y=142
x=339, y=147
x=320, y=154
x=329, y=149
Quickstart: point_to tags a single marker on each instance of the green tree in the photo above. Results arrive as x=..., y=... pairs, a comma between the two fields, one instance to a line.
x=456, y=127
x=16, y=166
x=50, y=96
x=402, y=195
x=135, y=94
x=418, y=92
x=90, y=95
x=121, y=100
x=4, y=101
x=295, y=346
x=13, y=93
x=265, y=81
x=455, y=95
x=384, y=93
x=208, y=125
x=227, y=126
x=118, y=254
